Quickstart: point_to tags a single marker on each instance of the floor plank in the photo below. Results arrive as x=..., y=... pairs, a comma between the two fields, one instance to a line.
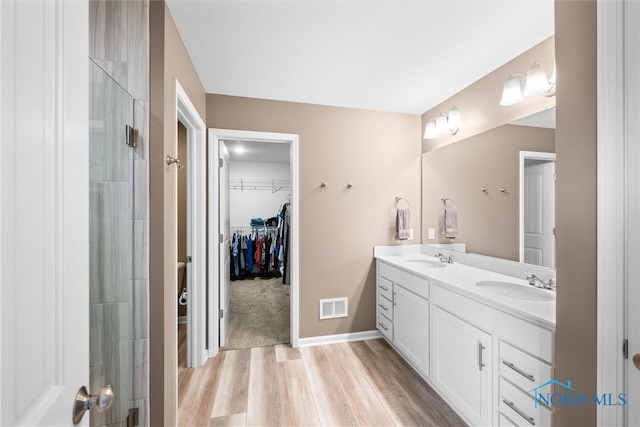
x=361, y=384
x=235, y=420
x=331, y=403
x=298, y=406
x=263, y=406
x=232, y=391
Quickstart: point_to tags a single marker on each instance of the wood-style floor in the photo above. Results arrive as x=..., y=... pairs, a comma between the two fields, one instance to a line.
x=352, y=384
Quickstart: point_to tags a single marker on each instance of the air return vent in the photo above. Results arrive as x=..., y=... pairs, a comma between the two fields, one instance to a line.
x=334, y=307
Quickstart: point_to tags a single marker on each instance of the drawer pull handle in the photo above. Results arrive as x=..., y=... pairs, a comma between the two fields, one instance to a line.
x=518, y=370
x=383, y=326
x=383, y=288
x=519, y=411
x=384, y=307
x=480, y=361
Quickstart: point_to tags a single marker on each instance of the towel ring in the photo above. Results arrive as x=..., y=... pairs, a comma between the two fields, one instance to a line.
x=399, y=199
x=451, y=204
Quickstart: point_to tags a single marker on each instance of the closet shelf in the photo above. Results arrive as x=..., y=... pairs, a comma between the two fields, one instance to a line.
x=272, y=184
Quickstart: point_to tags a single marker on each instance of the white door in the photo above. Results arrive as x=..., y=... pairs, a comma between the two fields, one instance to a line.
x=537, y=208
x=225, y=245
x=44, y=216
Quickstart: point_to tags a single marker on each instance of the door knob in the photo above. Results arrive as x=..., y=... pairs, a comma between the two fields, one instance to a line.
x=636, y=360
x=85, y=401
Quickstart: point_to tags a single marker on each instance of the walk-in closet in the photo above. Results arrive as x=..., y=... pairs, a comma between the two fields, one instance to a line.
x=259, y=202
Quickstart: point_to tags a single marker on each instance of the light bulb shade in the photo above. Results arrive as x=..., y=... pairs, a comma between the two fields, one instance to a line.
x=430, y=130
x=511, y=92
x=454, y=121
x=537, y=82
x=441, y=124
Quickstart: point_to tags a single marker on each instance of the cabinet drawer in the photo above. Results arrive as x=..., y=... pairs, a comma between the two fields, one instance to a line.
x=520, y=407
x=385, y=307
x=385, y=288
x=385, y=326
x=503, y=421
x=522, y=369
x=415, y=284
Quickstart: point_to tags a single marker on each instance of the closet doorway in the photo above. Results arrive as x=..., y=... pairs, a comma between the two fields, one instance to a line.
x=253, y=186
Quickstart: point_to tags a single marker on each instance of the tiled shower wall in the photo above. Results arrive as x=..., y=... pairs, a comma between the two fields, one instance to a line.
x=119, y=45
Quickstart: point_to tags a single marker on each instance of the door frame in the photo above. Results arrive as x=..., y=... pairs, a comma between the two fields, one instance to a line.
x=527, y=155
x=215, y=135
x=196, y=272
x=614, y=41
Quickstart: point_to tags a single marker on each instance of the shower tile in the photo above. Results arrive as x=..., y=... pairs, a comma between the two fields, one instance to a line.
x=143, y=408
x=140, y=304
x=141, y=198
x=141, y=122
x=138, y=48
x=141, y=250
x=140, y=369
x=108, y=37
x=112, y=357
x=110, y=242
x=110, y=111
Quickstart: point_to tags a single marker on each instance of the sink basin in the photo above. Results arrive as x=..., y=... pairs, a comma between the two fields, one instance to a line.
x=514, y=290
x=426, y=263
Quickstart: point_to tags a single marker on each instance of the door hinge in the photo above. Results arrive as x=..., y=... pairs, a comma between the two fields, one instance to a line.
x=131, y=136
x=221, y=314
x=221, y=162
x=189, y=259
x=625, y=348
x=221, y=238
x=133, y=419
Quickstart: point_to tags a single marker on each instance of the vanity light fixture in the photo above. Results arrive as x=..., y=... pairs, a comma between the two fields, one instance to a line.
x=443, y=124
x=536, y=83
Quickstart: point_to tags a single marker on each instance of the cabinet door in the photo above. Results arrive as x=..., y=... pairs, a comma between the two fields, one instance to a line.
x=462, y=366
x=411, y=327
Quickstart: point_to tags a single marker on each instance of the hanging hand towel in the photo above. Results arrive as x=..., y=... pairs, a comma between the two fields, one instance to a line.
x=403, y=217
x=450, y=219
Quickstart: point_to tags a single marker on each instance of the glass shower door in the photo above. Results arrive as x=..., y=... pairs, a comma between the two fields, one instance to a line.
x=111, y=245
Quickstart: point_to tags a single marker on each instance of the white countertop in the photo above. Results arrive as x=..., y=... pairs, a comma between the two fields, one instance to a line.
x=463, y=278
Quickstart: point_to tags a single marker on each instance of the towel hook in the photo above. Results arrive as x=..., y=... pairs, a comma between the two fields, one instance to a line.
x=173, y=160
x=324, y=186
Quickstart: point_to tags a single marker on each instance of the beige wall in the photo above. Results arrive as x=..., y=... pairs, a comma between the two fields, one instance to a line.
x=479, y=103
x=380, y=154
x=576, y=204
x=488, y=222
x=168, y=61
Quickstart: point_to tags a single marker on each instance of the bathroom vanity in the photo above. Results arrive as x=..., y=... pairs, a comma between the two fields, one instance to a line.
x=482, y=337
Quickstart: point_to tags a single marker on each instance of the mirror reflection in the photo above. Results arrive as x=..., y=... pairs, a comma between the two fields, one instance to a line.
x=502, y=182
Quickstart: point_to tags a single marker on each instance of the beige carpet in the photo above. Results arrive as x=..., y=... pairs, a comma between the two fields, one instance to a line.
x=259, y=314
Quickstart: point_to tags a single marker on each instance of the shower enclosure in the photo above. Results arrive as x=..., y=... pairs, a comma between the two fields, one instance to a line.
x=111, y=245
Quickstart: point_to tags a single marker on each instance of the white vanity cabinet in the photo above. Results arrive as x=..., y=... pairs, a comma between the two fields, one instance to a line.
x=462, y=365
x=486, y=361
x=483, y=357
x=403, y=314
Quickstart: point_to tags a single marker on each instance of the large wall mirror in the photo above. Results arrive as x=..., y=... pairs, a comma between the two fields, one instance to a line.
x=502, y=182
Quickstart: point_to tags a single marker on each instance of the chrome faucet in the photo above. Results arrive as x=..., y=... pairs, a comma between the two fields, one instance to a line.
x=443, y=258
x=539, y=283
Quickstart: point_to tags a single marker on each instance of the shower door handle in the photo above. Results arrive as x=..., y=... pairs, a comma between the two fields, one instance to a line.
x=85, y=401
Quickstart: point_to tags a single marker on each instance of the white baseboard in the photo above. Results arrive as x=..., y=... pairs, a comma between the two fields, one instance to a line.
x=334, y=339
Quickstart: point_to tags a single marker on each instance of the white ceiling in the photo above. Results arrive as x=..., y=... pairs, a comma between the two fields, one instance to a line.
x=402, y=56
x=256, y=151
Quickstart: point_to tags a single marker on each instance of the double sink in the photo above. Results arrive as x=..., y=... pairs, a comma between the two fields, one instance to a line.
x=502, y=288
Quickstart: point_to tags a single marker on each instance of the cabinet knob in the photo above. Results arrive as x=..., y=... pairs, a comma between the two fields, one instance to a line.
x=636, y=360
